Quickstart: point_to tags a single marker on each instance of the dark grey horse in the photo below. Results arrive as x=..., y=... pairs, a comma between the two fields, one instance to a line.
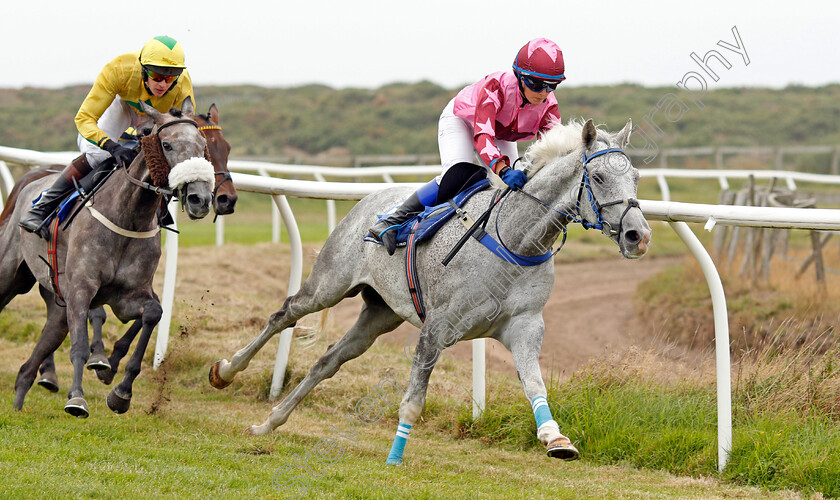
x=109, y=254
x=577, y=173
x=224, y=202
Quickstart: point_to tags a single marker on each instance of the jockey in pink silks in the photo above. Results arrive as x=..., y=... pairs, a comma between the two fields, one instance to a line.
x=487, y=118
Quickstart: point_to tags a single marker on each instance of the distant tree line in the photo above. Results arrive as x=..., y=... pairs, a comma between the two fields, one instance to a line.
x=401, y=118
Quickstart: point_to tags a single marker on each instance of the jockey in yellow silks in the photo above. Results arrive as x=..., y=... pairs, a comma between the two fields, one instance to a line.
x=156, y=75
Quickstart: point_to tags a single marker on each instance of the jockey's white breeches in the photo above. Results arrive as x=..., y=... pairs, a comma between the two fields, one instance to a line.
x=455, y=141
x=114, y=121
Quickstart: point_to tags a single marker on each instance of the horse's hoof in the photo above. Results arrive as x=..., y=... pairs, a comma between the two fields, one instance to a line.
x=105, y=376
x=563, y=449
x=98, y=362
x=49, y=381
x=118, y=404
x=216, y=380
x=77, y=407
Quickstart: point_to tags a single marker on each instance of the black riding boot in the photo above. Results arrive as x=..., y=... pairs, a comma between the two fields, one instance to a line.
x=33, y=220
x=386, y=229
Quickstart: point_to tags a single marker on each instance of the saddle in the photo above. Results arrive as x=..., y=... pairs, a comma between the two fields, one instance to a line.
x=425, y=224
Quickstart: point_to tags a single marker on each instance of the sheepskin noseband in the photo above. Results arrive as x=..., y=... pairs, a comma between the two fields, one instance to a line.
x=191, y=170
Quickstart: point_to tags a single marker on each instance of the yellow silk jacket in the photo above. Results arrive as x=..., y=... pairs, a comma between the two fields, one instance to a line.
x=123, y=77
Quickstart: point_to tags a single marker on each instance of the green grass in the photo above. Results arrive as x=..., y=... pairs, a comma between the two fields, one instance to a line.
x=182, y=439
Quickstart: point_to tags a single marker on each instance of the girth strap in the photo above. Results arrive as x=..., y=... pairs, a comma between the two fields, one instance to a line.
x=52, y=263
x=411, y=274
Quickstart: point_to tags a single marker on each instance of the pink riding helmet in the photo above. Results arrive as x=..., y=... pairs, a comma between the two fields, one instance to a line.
x=540, y=58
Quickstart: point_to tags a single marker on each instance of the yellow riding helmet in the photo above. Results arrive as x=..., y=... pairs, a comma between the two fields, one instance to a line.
x=163, y=52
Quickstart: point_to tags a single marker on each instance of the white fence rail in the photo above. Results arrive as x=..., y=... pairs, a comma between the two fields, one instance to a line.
x=676, y=214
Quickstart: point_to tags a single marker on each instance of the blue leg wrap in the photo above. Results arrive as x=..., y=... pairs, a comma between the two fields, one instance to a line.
x=427, y=194
x=395, y=457
x=542, y=413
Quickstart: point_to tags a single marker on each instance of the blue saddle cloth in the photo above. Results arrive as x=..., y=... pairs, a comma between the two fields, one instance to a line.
x=63, y=208
x=433, y=218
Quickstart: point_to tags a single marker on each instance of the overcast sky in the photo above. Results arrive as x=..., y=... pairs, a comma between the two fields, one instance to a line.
x=369, y=43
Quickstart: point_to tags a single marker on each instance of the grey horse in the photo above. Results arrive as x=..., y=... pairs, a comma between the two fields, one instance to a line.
x=577, y=173
x=109, y=254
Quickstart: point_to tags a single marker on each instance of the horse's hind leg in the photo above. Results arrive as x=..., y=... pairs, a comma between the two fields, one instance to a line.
x=375, y=319
x=98, y=360
x=119, y=398
x=48, y=379
x=294, y=308
x=13, y=284
x=121, y=348
x=525, y=345
x=426, y=355
x=53, y=334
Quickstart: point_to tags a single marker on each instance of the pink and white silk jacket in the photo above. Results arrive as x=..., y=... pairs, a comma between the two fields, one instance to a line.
x=494, y=107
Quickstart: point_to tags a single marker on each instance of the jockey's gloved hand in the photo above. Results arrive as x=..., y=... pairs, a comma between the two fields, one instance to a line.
x=123, y=155
x=513, y=178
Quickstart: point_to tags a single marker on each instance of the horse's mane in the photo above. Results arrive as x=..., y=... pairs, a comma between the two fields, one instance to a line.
x=560, y=140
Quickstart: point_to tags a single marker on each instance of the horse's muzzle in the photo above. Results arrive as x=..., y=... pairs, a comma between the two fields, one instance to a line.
x=196, y=201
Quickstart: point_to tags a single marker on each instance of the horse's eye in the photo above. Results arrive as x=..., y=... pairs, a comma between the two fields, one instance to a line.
x=166, y=145
x=598, y=178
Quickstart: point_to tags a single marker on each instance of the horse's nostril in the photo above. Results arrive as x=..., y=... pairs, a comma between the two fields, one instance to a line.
x=194, y=199
x=632, y=237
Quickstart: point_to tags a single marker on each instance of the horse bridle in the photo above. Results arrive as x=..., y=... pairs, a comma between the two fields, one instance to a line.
x=225, y=174
x=146, y=185
x=600, y=224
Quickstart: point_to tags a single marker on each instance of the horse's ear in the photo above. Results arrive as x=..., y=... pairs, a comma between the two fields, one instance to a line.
x=150, y=111
x=187, y=107
x=623, y=137
x=214, y=114
x=588, y=135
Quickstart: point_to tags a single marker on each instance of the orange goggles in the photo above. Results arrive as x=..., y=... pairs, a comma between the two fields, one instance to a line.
x=160, y=78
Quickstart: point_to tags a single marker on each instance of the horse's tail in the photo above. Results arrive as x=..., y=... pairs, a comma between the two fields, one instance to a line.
x=25, y=180
x=307, y=335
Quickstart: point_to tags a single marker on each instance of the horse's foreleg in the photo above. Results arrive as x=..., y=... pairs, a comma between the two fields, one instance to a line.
x=48, y=379
x=119, y=399
x=525, y=345
x=53, y=334
x=77, y=312
x=121, y=348
x=426, y=355
x=375, y=319
x=98, y=360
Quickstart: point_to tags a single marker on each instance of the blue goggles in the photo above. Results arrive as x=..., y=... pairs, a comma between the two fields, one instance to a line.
x=538, y=85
